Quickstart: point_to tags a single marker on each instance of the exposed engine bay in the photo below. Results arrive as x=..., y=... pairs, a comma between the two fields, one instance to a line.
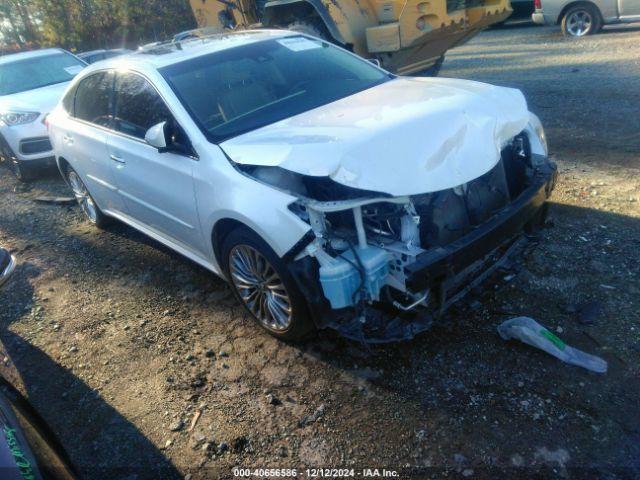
x=380, y=268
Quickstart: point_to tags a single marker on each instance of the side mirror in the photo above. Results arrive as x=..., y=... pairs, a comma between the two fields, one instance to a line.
x=156, y=136
x=169, y=137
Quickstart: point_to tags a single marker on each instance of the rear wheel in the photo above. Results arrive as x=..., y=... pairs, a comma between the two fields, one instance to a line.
x=581, y=20
x=262, y=283
x=22, y=170
x=88, y=206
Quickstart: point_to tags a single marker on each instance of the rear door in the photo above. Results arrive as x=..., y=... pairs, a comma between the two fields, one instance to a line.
x=83, y=139
x=157, y=188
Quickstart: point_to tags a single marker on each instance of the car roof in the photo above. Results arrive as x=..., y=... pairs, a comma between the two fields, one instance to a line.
x=13, y=57
x=157, y=56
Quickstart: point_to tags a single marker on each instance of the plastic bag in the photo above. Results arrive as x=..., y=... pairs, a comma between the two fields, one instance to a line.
x=529, y=331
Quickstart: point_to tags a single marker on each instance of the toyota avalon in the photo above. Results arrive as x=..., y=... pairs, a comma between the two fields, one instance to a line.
x=327, y=191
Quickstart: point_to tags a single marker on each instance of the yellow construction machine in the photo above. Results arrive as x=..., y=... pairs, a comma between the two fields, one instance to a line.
x=406, y=36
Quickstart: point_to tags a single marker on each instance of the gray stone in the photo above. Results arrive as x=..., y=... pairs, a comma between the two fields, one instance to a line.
x=176, y=426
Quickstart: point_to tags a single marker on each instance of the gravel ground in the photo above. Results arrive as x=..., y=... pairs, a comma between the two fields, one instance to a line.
x=147, y=368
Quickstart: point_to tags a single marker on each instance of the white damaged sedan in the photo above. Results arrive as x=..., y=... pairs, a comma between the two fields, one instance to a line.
x=327, y=191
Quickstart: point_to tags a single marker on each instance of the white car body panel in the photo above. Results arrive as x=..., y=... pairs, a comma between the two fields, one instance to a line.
x=157, y=188
x=404, y=137
x=85, y=147
x=41, y=100
x=223, y=193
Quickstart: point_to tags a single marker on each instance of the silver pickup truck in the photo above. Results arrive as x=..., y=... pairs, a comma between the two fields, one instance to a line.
x=579, y=18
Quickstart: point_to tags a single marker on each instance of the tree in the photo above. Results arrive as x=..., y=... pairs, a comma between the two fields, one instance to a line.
x=17, y=23
x=88, y=24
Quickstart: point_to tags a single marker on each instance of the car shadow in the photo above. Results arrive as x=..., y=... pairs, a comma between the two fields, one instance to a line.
x=99, y=440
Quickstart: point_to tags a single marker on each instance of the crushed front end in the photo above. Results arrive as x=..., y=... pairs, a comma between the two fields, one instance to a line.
x=380, y=268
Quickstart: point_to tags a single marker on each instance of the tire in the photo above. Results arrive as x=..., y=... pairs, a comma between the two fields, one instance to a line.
x=581, y=20
x=249, y=262
x=309, y=27
x=87, y=205
x=23, y=172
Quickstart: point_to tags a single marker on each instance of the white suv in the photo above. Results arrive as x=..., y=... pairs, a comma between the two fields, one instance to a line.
x=329, y=192
x=31, y=84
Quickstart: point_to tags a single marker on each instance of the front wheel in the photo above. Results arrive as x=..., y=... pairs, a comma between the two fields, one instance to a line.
x=581, y=20
x=262, y=283
x=88, y=206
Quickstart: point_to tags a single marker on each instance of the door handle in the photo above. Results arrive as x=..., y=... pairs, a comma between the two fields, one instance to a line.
x=67, y=139
x=116, y=158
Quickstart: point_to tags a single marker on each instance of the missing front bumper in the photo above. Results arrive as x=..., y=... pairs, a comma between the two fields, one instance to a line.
x=450, y=272
x=523, y=214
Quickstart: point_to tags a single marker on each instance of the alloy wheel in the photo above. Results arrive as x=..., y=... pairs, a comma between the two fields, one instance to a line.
x=260, y=287
x=81, y=193
x=579, y=23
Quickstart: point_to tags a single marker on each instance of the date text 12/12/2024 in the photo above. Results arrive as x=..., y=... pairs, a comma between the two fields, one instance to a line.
x=315, y=473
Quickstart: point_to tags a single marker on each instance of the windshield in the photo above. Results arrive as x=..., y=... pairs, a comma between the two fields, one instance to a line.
x=36, y=72
x=244, y=88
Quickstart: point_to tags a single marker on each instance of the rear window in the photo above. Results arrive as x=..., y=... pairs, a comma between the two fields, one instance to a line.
x=238, y=90
x=38, y=72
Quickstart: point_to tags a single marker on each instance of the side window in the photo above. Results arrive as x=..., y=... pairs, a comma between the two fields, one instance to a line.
x=138, y=106
x=93, y=99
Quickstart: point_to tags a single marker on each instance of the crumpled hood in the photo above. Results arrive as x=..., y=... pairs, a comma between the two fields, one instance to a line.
x=404, y=137
x=41, y=100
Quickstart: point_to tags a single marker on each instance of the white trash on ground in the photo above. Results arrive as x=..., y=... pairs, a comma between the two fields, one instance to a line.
x=529, y=331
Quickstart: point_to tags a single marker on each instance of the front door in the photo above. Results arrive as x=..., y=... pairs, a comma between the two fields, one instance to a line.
x=157, y=188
